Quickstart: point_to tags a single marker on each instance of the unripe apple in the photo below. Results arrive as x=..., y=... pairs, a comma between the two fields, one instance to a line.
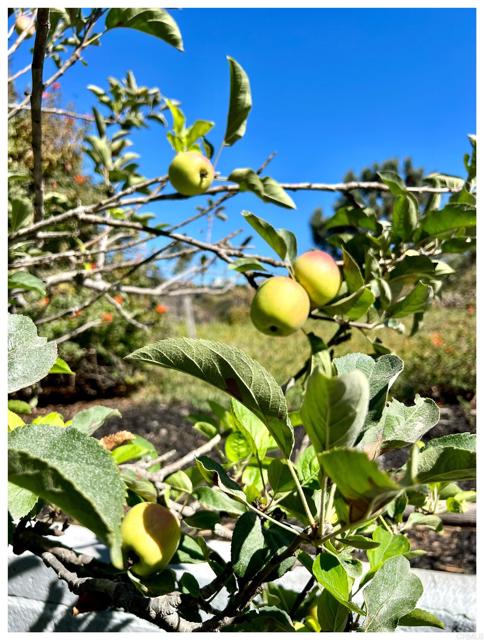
x=280, y=306
x=22, y=23
x=191, y=173
x=152, y=532
x=319, y=274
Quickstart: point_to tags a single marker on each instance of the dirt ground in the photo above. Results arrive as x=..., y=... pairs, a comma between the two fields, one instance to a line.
x=168, y=427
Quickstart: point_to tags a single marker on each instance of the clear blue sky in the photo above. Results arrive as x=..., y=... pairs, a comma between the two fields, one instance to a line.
x=333, y=90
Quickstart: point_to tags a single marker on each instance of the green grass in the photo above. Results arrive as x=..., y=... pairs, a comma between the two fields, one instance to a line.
x=439, y=360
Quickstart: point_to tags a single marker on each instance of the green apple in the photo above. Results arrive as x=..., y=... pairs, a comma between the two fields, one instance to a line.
x=151, y=532
x=319, y=274
x=280, y=306
x=191, y=173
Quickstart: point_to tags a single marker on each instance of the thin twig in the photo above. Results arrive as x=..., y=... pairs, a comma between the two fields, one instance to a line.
x=186, y=459
x=75, y=332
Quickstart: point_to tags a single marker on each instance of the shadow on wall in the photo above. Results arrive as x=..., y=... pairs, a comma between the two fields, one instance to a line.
x=54, y=611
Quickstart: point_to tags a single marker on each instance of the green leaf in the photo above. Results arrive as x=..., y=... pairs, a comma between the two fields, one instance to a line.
x=381, y=374
x=26, y=281
x=307, y=465
x=392, y=594
x=180, y=481
x=448, y=458
x=412, y=268
x=236, y=447
x=208, y=148
x=143, y=488
x=273, y=192
x=329, y=572
x=360, y=542
x=155, y=22
x=202, y=520
x=19, y=406
x=215, y=499
x=20, y=501
x=188, y=584
x=248, y=549
x=213, y=472
x=393, y=182
x=21, y=211
x=254, y=430
x=30, y=357
x=404, y=217
x=353, y=306
x=389, y=546
x=424, y=520
x=89, y=420
x=417, y=300
x=402, y=425
x=267, y=189
x=101, y=151
x=127, y=452
x=230, y=370
x=352, y=273
x=198, y=130
x=366, y=488
x=100, y=122
x=61, y=366
x=334, y=409
x=420, y=618
x=465, y=441
x=280, y=477
x=332, y=615
x=240, y=103
x=450, y=218
x=53, y=419
x=72, y=471
x=282, y=241
x=247, y=264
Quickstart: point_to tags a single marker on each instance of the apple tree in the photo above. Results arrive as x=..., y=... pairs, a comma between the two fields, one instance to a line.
x=308, y=485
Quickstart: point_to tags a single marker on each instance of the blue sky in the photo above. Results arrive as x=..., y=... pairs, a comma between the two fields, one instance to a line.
x=333, y=90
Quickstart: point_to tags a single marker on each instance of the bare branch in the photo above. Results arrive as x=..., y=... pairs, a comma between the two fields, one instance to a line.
x=17, y=75
x=159, y=476
x=78, y=331
x=128, y=317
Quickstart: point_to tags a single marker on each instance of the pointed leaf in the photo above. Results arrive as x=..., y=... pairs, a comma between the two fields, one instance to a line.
x=230, y=370
x=450, y=218
x=240, y=103
x=334, y=409
x=366, y=479
x=282, y=241
x=155, y=22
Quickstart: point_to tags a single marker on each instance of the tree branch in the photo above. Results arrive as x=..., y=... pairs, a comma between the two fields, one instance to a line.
x=42, y=30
